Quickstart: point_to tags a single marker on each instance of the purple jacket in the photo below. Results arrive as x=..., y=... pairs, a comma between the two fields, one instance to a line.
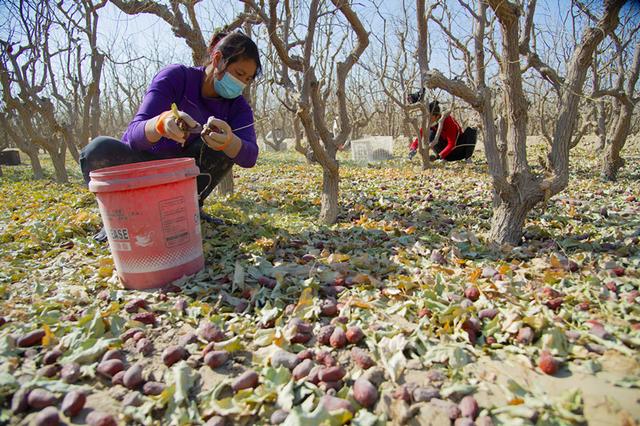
x=182, y=85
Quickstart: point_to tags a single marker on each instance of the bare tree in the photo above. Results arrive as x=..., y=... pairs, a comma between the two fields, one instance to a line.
x=14, y=133
x=612, y=71
x=51, y=101
x=422, y=16
x=311, y=103
x=360, y=103
x=24, y=82
x=517, y=189
x=626, y=94
x=125, y=83
x=186, y=28
x=602, y=110
x=80, y=100
x=398, y=75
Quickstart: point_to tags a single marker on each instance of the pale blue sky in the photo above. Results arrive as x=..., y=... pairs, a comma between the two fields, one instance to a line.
x=140, y=33
x=119, y=30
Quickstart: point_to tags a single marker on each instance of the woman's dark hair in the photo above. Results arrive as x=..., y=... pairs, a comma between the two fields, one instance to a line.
x=434, y=108
x=234, y=46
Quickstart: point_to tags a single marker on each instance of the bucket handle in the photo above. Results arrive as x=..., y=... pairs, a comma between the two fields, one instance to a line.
x=207, y=186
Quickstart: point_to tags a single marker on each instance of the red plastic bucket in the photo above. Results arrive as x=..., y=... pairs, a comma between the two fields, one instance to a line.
x=150, y=212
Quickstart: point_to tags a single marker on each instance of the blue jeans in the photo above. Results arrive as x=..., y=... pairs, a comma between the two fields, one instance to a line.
x=105, y=151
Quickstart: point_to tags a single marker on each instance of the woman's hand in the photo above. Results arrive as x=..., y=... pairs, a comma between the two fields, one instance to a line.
x=174, y=127
x=217, y=134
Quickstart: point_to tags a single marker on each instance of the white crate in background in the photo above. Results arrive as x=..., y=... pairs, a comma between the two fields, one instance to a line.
x=372, y=148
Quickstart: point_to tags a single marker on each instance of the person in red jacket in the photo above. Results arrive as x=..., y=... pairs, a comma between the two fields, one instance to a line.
x=449, y=135
x=453, y=144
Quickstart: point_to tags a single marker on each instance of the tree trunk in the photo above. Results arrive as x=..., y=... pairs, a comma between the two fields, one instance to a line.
x=611, y=160
x=579, y=135
x=424, y=155
x=225, y=186
x=36, y=167
x=329, y=207
x=73, y=149
x=58, y=160
x=507, y=221
x=423, y=63
x=601, y=129
x=297, y=134
x=423, y=141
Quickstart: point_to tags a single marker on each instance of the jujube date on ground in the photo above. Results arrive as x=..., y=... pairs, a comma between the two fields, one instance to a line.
x=73, y=403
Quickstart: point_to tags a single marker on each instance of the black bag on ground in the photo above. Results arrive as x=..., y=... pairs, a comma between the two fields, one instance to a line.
x=10, y=157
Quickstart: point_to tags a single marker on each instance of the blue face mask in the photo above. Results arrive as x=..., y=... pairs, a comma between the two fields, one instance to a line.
x=229, y=87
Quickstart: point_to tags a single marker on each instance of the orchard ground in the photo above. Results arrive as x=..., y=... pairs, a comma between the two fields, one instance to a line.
x=442, y=309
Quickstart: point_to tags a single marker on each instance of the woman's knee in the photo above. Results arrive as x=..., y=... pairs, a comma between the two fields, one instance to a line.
x=101, y=147
x=103, y=151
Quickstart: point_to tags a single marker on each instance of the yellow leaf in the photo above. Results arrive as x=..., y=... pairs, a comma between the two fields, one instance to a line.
x=405, y=282
x=106, y=267
x=503, y=269
x=279, y=339
x=516, y=401
x=106, y=261
x=166, y=394
x=555, y=262
x=360, y=304
x=537, y=322
x=264, y=338
x=105, y=271
x=48, y=339
x=338, y=257
x=265, y=243
x=553, y=276
x=363, y=219
x=475, y=274
x=306, y=299
x=410, y=230
x=113, y=308
x=445, y=270
x=232, y=345
x=81, y=217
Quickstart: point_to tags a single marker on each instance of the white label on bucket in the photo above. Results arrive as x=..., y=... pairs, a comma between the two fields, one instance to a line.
x=119, y=234
x=120, y=246
x=175, y=225
x=144, y=240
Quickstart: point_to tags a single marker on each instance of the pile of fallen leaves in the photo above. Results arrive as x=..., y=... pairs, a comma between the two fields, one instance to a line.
x=402, y=312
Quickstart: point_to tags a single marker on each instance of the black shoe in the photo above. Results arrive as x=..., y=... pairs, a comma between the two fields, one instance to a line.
x=210, y=219
x=101, y=236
